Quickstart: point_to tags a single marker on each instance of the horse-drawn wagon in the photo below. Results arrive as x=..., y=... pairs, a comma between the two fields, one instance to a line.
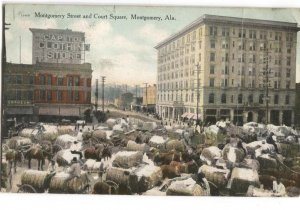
x=33, y=181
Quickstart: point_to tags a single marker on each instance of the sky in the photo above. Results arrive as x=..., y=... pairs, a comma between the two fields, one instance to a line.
x=121, y=50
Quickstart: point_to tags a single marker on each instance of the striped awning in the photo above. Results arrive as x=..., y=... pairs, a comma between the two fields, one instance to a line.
x=184, y=115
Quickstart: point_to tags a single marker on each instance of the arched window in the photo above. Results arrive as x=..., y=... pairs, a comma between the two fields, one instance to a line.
x=211, y=98
x=223, y=98
x=250, y=98
x=261, y=98
x=240, y=98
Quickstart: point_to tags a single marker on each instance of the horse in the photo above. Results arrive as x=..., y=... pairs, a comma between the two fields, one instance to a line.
x=12, y=157
x=40, y=153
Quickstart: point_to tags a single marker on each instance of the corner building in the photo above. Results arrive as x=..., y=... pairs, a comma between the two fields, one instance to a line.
x=232, y=55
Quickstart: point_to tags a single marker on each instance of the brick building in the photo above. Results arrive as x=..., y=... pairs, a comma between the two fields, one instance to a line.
x=49, y=89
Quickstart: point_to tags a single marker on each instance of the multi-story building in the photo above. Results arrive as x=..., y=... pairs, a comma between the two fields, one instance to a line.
x=230, y=56
x=297, y=105
x=149, y=98
x=50, y=88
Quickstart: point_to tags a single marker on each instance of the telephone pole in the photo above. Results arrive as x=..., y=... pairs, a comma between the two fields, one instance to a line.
x=103, y=81
x=3, y=66
x=146, y=101
x=96, y=95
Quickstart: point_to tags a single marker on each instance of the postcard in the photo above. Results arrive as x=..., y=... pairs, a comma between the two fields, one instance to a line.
x=150, y=100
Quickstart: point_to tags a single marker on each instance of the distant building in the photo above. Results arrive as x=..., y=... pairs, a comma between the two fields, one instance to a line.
x=232, y=54
x=149, y=98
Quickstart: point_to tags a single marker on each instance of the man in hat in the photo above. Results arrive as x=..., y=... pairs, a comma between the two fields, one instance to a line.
x=270, y=140
x=74, y=171
x=278, y=188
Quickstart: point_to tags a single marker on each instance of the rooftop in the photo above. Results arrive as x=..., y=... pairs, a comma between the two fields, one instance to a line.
x=233, y=20
x=61, y=31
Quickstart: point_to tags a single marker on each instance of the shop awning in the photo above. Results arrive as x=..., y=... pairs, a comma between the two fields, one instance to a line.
x=184, y=115
x=19, y=110
x=69, y=112
x=48, y=111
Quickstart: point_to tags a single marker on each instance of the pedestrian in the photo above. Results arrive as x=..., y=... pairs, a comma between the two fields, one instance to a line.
x=74, y=171
x=270, y=140
x=127, y=118
x=240, y=146
x=79, y=135
x=75, y=150
x=101, y=170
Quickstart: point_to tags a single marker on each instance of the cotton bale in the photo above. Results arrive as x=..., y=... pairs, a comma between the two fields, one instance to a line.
x=157, y=142
x=64, y=157
x=65, y=129
x=75, y=185
x=39, y=180
x=215, y=175
x=99, y=135
x=241, y=179
x=250, y=164
x=175, y=145
x=186, y=187
x=145, y=177
x=65, y=141
x=132, y=146
x=118, y=175
x=154, y=192
x=289, y=149
x=258, y=192
x=26, y=132
x=88, y=165
x=111, y=122
x=293, y=191
x=17, y=141
x=266, y=161
x=233, y=154
x=86, y=135
x=128, y=159
x=210, y=154
x=149, y=126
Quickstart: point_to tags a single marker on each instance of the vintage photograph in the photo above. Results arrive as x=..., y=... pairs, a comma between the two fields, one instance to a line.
x=150, y=100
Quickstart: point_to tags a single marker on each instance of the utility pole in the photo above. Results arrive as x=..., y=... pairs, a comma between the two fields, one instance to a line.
x=20, y=50
x=146, y=101
x=3, y=66
x=103, y=81
x=198, y=97
x=96, y=95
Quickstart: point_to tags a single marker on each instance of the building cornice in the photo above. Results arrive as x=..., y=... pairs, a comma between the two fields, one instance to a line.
x=206, y=19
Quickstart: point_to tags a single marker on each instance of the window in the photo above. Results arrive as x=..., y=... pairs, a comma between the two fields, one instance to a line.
x=59, y=95
x=30, y=95
x=211, y=82
x=212, y=44
x=76, y=81
x=31, y=80
x=212, y=69
x=42, y=95
x=225, y=31
x=278, y=36
x=212, y=31
x=242, y=33
x=250, y=99
x=288, y=72
x=288, y=61
x=288, y=83
x=60, y=81
x=76, y=95
x=223, y=98
x=49, y=95
x=70, y=95
x=231, y=99
x=289, y=37
x=70, y=81
x=18, y=79
x=212, y=56
x=49, y=45
x=276, y=99
x=263, y=35
x=287, y=99
x=42, y=80
x=49, y=80
x=240, y=98
x=192, y=97
x=252, y=34
x=211, y=98
x=261, y=98
x=42, y=44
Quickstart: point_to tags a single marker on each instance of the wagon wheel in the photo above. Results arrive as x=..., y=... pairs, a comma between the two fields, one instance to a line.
x=5, y=147
x=113, y=184
x=26, y=188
